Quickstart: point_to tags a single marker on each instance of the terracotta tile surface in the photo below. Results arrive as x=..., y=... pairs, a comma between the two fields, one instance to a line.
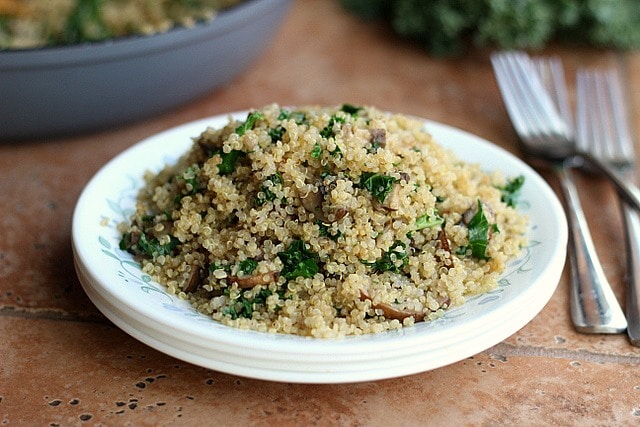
x=63, y=363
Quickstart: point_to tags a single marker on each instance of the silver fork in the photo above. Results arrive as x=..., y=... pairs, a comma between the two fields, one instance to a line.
x=594, y=307
x=546, y=137
x=603, y=130
x=553, y=146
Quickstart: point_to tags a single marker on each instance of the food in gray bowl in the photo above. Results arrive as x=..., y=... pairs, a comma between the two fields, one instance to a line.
x=57, y=90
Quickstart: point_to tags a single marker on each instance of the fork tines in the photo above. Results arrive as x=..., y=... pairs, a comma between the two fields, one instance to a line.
x=527, y=101
x=601, y=113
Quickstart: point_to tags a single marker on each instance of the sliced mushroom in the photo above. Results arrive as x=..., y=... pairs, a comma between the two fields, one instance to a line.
x=313, y=202
x=339, y=213
x=208, y=146
x=378, y=138
x=134, y=238
x=391, y=312
x=255, y=280
x=443, y=243
x=443, y=301
x=194, y=281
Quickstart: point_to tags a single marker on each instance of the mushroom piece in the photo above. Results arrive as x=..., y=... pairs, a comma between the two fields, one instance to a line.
x=313, y=202
x=208, y=146
x=255, y=280
x=393, y=313
x=443, y=243
x=392, y=201
x=378, y=138
x=194, y=282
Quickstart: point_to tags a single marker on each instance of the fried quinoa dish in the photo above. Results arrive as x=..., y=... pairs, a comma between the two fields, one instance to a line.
x=324, y=222
x=36, y=23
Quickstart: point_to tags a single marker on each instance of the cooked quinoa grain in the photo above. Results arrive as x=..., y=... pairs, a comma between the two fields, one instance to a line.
x=35, y=23
x=324, y=222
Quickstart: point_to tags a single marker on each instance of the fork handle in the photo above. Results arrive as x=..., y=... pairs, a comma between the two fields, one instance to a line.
x=632, y=227
x=594, y=307
x=627, y=189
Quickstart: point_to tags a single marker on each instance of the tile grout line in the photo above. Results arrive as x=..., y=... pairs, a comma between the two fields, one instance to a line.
x=51, y=314
x=503, y=350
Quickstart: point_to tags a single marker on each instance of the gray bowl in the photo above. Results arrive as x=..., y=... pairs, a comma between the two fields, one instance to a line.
x=72, y=89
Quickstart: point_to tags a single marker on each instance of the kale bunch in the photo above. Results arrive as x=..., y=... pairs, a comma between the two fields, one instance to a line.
x=444, y=27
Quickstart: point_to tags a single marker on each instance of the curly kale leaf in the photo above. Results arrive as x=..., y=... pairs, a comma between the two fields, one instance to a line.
x=444, y=27
x=298, y=261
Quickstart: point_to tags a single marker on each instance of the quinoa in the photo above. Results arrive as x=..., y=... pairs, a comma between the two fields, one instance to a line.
x=36, y=23
x=324, y=222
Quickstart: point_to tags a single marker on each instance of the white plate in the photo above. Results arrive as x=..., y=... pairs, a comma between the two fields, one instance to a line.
x=143, y=308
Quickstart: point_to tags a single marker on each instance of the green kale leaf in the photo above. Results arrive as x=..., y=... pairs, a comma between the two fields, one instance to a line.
x=140, y=244
x=511, y=190
x=269, y=196
x=445, y=27
x=377, y=184
x=479, y=233
x=243, y=306
x=252, y=118
x=248, y=266
x=298, y=261
x=328, y=131
x=228, y=160
x=428, y=220
x=389, y=260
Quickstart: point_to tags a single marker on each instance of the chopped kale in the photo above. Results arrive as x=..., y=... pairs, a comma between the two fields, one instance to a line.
x=269, y=196
x=511, y=190
x=243, y=306
x=140, y=244
x=325, y=232
x=462, y=250
x=147, y=218
x=377, y=184
x=317, y=151
x=428, y=220
x=389, y=260
x=479, y=233
x=350, y=109
x=214, y=266
x=248, y=266
x=85, y=23
x=337, y=152
x=298, y=261
x=297, y=116
x=277, y=133
x=327, y=131
x=284, y=114
x=229, y=160
x=252, y=118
